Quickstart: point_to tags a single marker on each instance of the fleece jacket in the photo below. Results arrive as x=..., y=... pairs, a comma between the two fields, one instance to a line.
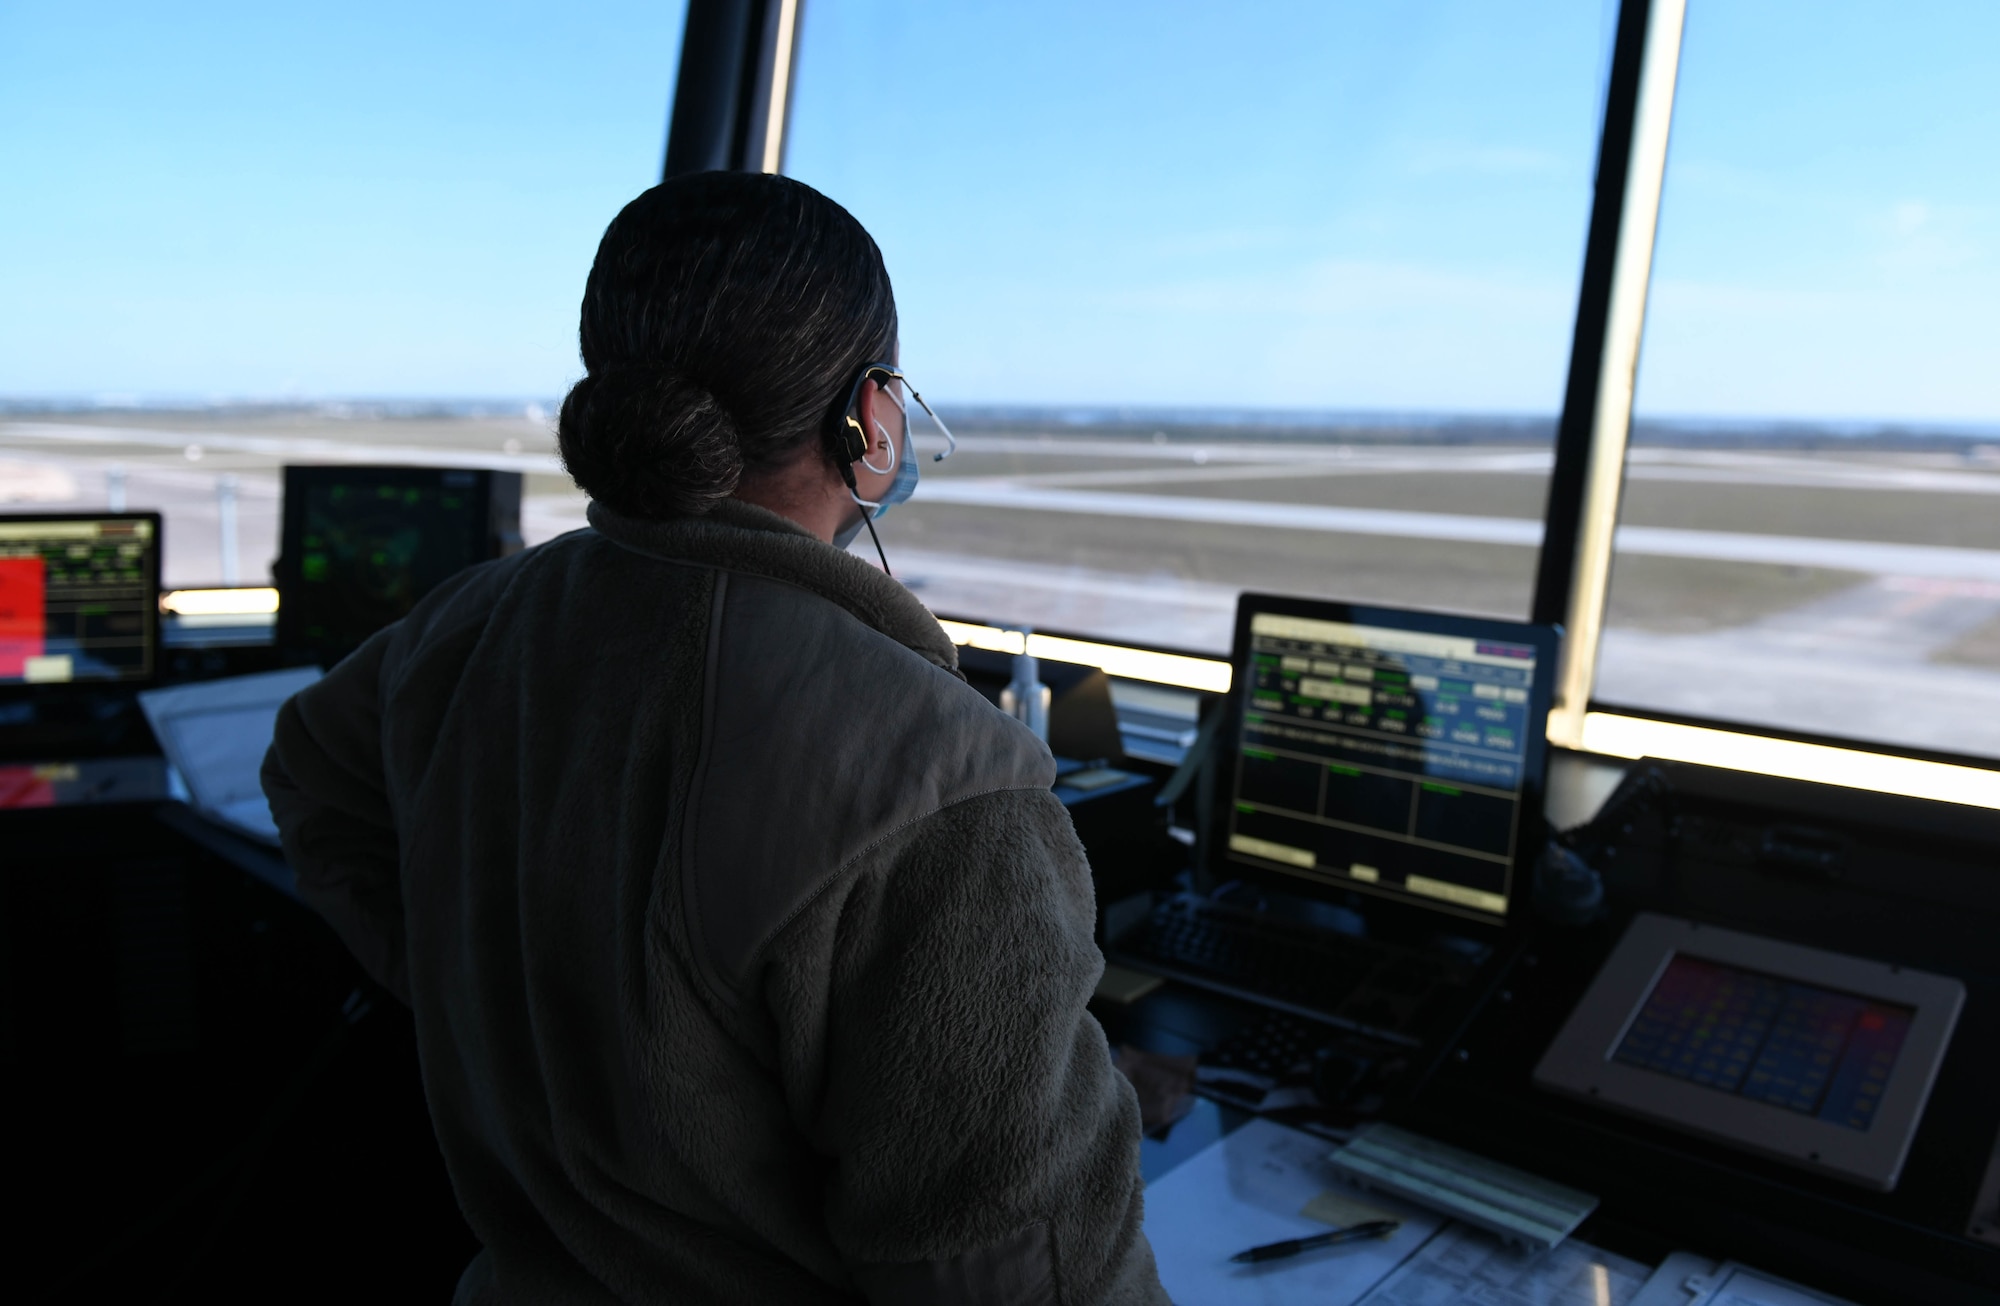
x=747, y=944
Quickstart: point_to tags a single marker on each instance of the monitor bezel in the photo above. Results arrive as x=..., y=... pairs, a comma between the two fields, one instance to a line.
x=155, y=630
x=1391, y=910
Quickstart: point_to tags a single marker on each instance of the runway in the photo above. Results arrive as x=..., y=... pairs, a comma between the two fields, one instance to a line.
x=1855, y=664
x=1068, y=493
x=1824, y=590
x=1725, y=546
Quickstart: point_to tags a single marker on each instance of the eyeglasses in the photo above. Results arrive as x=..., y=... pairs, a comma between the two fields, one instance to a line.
x=882, y=374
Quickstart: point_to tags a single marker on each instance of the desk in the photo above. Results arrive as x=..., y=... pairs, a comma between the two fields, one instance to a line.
x=1266, y=1183
x=184, y=1093
x=1662, y=1192
x=1893, y=879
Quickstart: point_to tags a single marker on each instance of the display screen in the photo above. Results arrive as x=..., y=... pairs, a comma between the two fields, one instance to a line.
x=1819, y=1052
x=79, y=599
x=1381, y=759
x=372, y=545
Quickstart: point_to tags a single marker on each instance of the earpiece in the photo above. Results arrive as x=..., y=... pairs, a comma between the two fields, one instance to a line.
x=853, y=441
x=853, y=438
x=888, y=444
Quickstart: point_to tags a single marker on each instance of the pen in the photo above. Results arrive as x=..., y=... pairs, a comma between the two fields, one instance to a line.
x=1293, y=1246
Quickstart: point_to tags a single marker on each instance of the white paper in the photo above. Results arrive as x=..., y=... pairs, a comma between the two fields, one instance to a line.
x=1248, y=1190
x=1685, y=1279
x=1737, y=1285
x=1471, y=1267
x=215, y=734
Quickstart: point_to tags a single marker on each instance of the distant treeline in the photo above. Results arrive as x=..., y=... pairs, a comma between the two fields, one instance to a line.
x=1449, y=429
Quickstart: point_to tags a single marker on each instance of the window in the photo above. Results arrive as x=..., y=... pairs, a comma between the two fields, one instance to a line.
x=1265, y=296
x=240, y=235
x=1810, y=537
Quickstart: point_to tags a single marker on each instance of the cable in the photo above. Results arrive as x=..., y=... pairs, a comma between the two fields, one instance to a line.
x=869, y=519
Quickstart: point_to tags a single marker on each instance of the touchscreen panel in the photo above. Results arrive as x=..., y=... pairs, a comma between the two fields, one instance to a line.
x=1816, y=1051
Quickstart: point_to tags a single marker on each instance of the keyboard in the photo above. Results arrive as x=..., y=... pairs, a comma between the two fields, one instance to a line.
x=1379, y=989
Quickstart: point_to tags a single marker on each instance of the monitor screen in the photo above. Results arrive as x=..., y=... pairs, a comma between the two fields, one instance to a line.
x=363, y=544
x=1812, y=1050
x=79, y=598
x=1397, y=761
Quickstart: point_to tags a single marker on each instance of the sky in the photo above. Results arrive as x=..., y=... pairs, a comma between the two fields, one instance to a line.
x=315, y=200
x=1829, y=240
x=1333, y=204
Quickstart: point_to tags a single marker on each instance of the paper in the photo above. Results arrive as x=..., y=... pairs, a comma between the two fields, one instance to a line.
x=1685, y=1279
x=1680, y=1280
x=1253, y=1188
x=215, y=734
x=1472, y=1267
x=1738, y=1285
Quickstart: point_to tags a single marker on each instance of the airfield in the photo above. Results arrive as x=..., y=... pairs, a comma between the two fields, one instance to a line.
x=1848, y=591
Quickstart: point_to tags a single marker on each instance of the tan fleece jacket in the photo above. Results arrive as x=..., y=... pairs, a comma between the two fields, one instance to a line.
x=747, y=945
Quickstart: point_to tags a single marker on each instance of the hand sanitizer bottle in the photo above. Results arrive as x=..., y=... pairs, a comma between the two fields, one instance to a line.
x=1026, y=698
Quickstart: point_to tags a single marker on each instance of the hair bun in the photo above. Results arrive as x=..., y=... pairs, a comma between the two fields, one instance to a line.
x=649, y=441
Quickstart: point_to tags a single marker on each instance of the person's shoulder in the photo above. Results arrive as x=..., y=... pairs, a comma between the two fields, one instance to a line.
x=822, y=737
x=851, y=689
x=468, y=598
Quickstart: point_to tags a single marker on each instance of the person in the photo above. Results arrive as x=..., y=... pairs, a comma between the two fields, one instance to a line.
x=747, y=944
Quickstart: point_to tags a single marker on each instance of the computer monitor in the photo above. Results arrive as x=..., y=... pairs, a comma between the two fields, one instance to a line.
x=1399, y=755
x=359, y=546
x=79, y=598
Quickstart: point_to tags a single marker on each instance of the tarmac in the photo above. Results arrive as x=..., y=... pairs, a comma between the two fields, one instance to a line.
x=1848, y=594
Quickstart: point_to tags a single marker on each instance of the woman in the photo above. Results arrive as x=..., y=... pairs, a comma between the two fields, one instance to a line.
x=747, y=944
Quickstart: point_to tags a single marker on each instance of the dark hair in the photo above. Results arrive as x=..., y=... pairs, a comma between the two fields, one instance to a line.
x=725, y=319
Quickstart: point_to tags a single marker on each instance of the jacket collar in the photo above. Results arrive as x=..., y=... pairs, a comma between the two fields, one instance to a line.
x=739, y=536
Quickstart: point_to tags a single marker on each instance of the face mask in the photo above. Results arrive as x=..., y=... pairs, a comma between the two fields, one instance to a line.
x=903, y=464
x=899, y=490
x=903, y=486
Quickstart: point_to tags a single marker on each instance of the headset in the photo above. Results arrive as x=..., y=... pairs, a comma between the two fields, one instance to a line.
x=853, y=444
x=853, y=439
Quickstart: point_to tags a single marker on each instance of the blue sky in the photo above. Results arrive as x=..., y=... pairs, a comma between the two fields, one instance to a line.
x=1830, y=233
x=1351, y=205
x=315, y=199
x=1289, y=203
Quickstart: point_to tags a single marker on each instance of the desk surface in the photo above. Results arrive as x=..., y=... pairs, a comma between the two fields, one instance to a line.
x=1662, y=1193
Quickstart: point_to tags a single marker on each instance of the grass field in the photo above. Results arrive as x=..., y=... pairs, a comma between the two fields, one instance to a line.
x=1425, y=523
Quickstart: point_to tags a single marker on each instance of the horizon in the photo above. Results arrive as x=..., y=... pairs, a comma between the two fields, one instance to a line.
x=1120, y=419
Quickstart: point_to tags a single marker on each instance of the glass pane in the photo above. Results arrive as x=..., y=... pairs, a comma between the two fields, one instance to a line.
x=1811, y=536
x=241, y=235
x=1271, y=295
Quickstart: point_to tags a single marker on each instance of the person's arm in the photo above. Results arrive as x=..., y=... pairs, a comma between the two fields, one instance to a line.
x=982, y=1147
x=324, y=779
